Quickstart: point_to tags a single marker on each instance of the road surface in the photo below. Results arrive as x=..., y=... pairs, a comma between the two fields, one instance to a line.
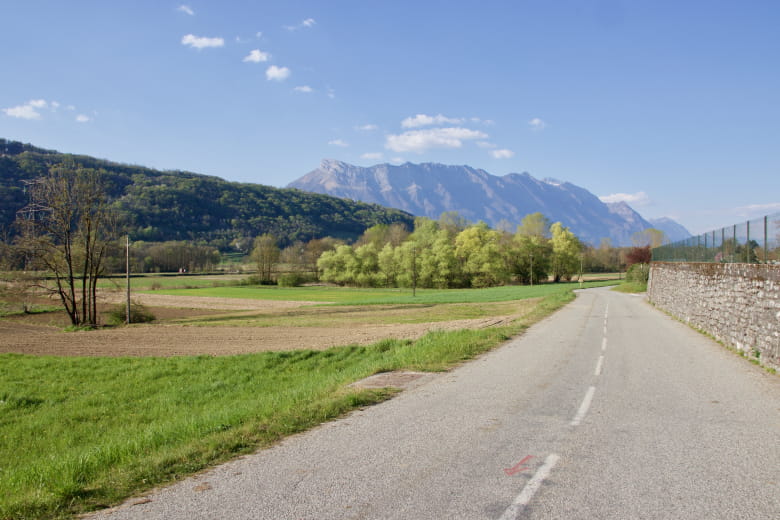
x=607, y=409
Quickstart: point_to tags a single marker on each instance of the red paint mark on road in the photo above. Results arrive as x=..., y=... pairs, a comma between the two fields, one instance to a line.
x=517, y=468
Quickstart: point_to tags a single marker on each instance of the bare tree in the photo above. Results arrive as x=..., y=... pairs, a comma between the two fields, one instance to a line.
x=266, y=254
x=65, y=230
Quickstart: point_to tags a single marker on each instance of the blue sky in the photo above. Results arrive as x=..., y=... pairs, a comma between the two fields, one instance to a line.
x=673, y=106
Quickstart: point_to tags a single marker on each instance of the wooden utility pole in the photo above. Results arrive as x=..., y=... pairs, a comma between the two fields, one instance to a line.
x=127, y=277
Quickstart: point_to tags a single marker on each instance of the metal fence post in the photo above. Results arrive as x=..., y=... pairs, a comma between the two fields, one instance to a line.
x=766, y=244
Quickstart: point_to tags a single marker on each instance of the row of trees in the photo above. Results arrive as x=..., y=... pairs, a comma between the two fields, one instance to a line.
x=388, y=255
x=450, y=253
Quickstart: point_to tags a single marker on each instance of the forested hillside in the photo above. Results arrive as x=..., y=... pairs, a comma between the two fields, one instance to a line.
x=175, y=205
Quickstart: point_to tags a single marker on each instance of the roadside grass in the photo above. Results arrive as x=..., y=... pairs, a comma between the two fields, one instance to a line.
x=353, y=296
x=84, y=433
x=631, y=287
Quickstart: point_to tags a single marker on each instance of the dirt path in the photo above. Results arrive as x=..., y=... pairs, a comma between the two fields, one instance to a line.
x=43, y=335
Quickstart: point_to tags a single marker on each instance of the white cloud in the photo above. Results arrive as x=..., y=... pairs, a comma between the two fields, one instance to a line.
x=367, y=128
x=397, y=160
x=372, y=156
x=502, y=154
x=306, y=89
x=486, y=144
x=259, y=34
x=23, y=112
x=639, y=198
x=331, y=93
x=33, y=108
x=186, y=9
x=305, y=24
x=486, y=122
x=338, y=142
x=274, y=73
x=201, y=42
x=756, y=210
x=422, y=140
x=426, y=120
x=256, y=56
x=537, y=124
x=29, y=110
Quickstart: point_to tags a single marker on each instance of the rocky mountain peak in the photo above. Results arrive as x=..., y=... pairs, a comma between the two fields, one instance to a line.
x=430, y=189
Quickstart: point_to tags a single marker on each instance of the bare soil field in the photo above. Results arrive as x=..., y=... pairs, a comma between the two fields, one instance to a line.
x=43, y=334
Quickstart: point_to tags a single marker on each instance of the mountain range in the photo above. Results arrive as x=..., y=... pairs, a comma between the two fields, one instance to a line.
x=430, y=189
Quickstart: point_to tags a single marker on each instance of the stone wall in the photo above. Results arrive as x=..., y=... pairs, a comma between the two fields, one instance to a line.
x=738, y=304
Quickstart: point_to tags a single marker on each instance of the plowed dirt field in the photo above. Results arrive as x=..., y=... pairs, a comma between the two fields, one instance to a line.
x=182, y=328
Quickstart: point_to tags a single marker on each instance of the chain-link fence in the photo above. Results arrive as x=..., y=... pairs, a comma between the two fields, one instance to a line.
x=753, y=242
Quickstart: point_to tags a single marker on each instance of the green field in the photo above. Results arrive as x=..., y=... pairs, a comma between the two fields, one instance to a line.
x=351, y=296
x=168, y=281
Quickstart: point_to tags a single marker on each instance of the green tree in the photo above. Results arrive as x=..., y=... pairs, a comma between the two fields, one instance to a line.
x=566, y=251
x=367, y=266
x=445, y=267
x=532, y=253
x=478, y=249
x=534, y=224
x=338, y=266
x=381, y=234
x=409, y=260
x=389, y=265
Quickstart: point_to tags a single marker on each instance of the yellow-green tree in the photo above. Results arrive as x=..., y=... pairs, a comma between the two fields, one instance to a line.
x=532, y=252
x=566, y=250
x=478, y=249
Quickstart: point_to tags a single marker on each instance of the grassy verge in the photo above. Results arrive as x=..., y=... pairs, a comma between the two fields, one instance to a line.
x=83, y=433
x=631, y=287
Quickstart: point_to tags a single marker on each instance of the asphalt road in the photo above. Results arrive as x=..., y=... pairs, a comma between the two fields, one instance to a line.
x=607, y=409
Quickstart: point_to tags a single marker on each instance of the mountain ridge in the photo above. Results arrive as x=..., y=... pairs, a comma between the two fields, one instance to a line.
x=177, y=205
x=429, y=189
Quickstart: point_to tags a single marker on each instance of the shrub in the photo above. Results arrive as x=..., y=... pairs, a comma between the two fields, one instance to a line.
x=638, y=273
x=138, y=314
x=639, y=255
x=293, y=279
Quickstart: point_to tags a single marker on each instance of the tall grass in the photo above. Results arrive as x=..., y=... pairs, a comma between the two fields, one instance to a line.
x=83, y=433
